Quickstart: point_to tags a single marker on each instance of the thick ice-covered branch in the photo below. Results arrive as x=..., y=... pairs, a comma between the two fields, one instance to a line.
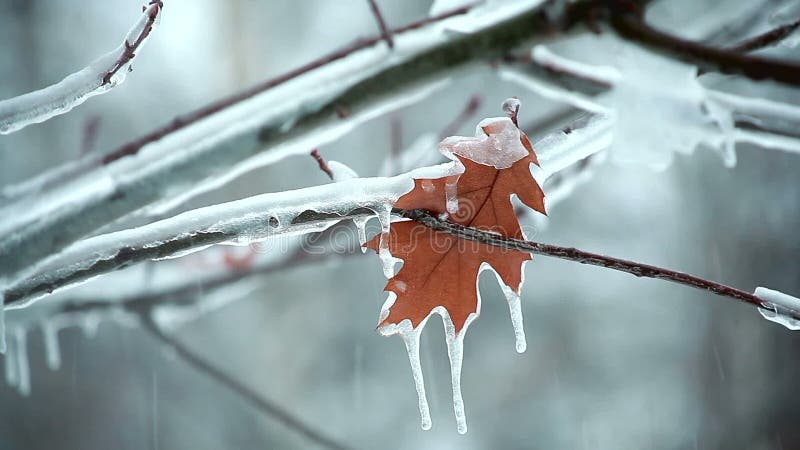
x=297, y=115
x=102, y=75
x=270, y=215
x=237, y=223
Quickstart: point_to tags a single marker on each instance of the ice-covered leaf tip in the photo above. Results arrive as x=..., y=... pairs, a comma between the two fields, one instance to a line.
x=440, y=271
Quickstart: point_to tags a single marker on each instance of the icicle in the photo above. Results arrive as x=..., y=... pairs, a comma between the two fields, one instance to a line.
x=451, y=195
x=411, y=339
x=23, y=369
x=455, y=351
x=10, y=361
x=361, y=227
x=2, y=325
x=785, y=307
x=52, y=350
x=515, y=308
x=389, y=262
x=89, y=325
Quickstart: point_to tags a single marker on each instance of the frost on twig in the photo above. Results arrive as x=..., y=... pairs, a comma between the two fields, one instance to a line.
x=102, y=75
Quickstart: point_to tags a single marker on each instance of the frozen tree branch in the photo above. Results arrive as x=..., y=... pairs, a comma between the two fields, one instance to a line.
x=298, y=115
x=626, y=20
x=102, y=75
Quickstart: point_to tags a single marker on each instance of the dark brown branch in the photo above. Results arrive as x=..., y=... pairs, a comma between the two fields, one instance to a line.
x=247, y=394
x=766, y=39
x=580, y=256
x=630, y=25
x=323, y=166
x=385, y=31
x=131, y=48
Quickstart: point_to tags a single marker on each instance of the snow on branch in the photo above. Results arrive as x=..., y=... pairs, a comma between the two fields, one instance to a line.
x=300, y=112
x=99, y=77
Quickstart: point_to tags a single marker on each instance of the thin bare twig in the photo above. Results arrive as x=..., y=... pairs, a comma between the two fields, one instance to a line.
x=766, y=39
x=323, y=165
x=247, y=394
x=385, y=31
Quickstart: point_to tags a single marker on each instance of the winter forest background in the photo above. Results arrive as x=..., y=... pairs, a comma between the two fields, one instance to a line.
x=613, y=362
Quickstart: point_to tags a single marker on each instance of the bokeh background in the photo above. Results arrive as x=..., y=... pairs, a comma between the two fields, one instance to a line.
x=613, y=362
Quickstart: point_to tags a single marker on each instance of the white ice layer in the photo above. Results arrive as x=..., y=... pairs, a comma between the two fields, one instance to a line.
x=341, y=171
x=249, y=220
x=38, y=106
x=786, y=307
x=500, y=148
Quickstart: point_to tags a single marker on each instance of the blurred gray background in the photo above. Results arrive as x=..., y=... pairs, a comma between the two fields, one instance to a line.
x=613, y=362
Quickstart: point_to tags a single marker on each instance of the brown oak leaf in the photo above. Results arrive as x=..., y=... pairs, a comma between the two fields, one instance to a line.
x=440, y=270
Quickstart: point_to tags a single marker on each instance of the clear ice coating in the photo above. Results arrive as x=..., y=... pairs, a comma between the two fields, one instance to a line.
x=388, y=261
x=784, y=307
x=496, y=143
x=451, y=196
